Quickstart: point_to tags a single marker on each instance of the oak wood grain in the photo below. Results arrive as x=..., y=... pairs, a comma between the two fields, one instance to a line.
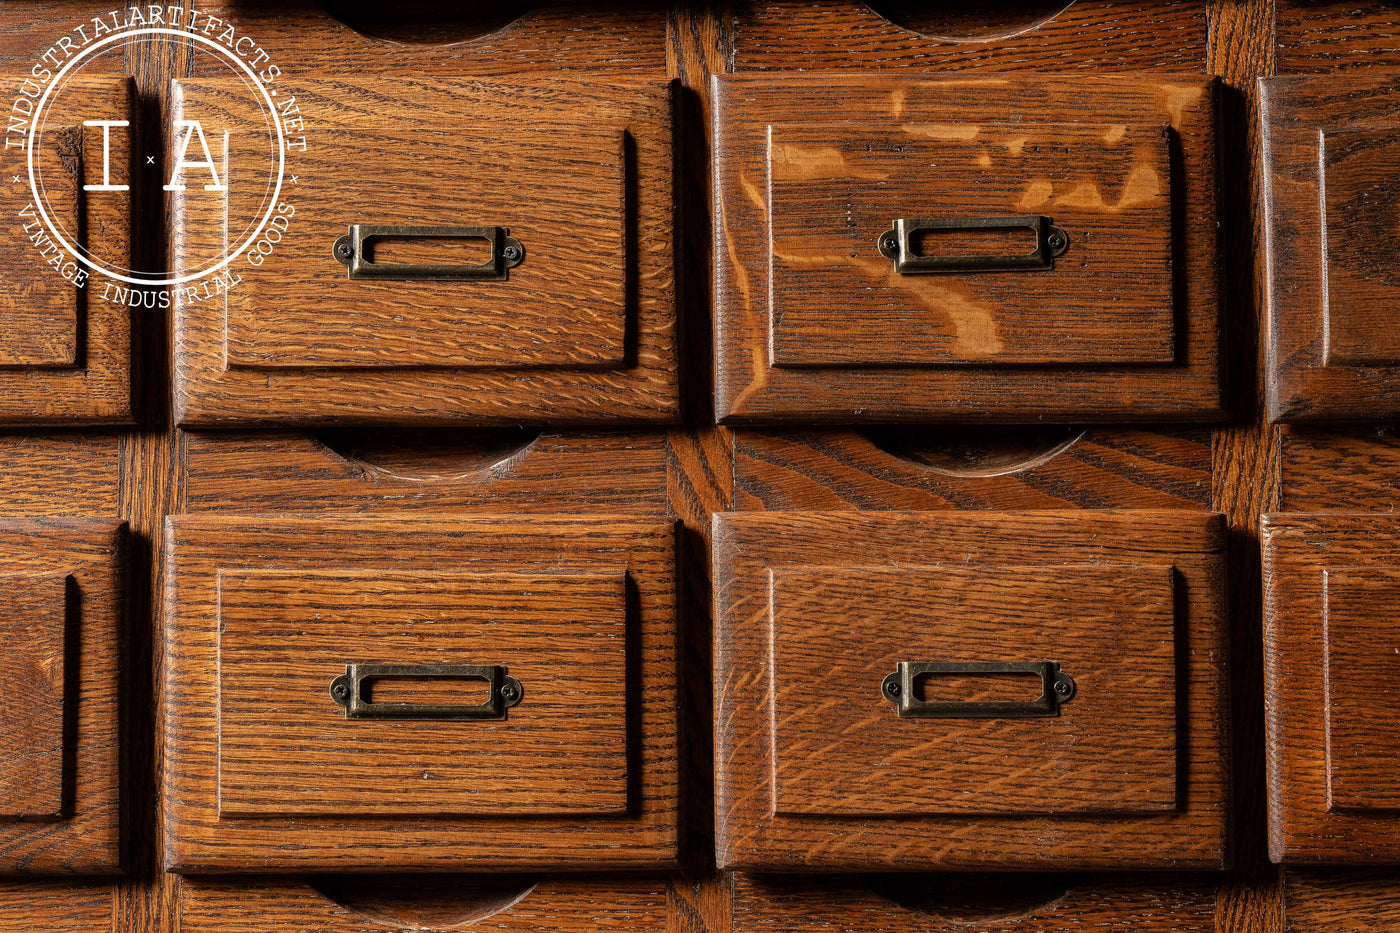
x=287, y=750
x=65, y=356
x=836, y=301
x=837, y=631
x=755, y=383
x=276, y=471
x=582, y=331
x=1108, y=35
x=198, y=549
x=1328, y=802
x=33, y=629
x=291, y=905
x=841, y=904
x=990, y=467
x=1327, y=201
x=1321, y=901
x=64, y=591
x=752, y=549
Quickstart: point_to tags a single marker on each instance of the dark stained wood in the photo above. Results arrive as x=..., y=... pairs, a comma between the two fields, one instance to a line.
x=282, y=471
x=1330, y=584
x=65, y=353
x=1341, y=469
x=63, y=589
x=997, y=467
x=582, y=331
x=1108, y=35
x=201, y=551
x=1328, y=202
x=943, y=903
x=875, y=348
x=552, y=37
x=760, y=710
x=571, y=905
x=1326, y=901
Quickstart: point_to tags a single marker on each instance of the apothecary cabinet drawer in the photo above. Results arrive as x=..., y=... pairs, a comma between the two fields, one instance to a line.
x=439, y=250
x=65, y=349
x=997, y=248
x=399, y=692
x=1331, y=156
x=956, y=690
x=61, y=605
x=1332, y=686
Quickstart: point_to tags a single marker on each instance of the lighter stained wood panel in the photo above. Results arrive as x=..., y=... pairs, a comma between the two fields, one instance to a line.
x=813, y=325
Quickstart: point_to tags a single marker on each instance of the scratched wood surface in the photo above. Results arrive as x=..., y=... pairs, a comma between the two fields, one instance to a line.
x=836, y=301
x=758, y=829
x=1329, y=163
x=1331, y=779
x=582, y=331
x=1234, y=38
x=65, y=353
x=861, y=367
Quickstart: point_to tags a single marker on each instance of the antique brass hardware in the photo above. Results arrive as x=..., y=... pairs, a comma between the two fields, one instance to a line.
x=1057, y=688
x=350, y=251
x=347, y=691
x=898, y=244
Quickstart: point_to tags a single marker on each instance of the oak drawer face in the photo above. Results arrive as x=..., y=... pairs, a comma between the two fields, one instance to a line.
x=60, y=611
x=65, y=349
x=1332, y=658
x=971, y=250
x=405, y=706
x=1331, y=158
x=474, y=251
x=952, y=689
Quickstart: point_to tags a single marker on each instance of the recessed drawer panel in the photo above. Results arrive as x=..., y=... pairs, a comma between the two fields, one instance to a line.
x=65, y=349
x=1110, y=629
x=1009, y=248
x=469, y=251
x=287, y=747
x=61, y=597
x=1331, y=154
x=1332, y=676
x=946, y=690
x=837, y=301
x=402, y=692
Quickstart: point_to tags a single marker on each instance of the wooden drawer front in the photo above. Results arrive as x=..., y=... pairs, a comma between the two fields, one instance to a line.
x=1332, y=676
x=817, y=321
x=581, y=181
x=64, y=350
x=61, y=597
x=286, y=747
x=267, y=618
x=1331, y=158
x=824, y=768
